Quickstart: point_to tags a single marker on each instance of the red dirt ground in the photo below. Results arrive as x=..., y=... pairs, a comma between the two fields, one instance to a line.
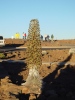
x=59, y=80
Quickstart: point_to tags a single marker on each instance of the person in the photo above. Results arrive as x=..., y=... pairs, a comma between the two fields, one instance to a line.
x=18, y=35
x=23, y=35
x=12, y=37
x=15, y=35
x=47, y=37
x=41, y=37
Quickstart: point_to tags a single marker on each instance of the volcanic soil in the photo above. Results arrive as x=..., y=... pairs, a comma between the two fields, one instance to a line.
x=58, y=76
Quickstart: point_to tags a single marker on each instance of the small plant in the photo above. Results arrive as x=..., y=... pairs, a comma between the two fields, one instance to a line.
x=2, y=55
x=52, y=37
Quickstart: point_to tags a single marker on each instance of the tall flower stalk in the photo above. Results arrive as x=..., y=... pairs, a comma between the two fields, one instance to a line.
x=33, y=57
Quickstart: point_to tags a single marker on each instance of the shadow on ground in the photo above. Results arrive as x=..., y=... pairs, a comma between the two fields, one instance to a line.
x=58, y=85
x=13, y=70
x=12, y=45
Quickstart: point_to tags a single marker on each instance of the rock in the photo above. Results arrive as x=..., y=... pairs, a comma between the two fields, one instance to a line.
x=44, y=52
x=72, y=50
x=25, y=90
x=32, y=97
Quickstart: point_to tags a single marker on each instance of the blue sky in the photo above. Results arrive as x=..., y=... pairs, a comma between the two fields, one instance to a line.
x=55, y=17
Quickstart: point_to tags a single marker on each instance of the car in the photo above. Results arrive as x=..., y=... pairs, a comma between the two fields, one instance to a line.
x=2, y=43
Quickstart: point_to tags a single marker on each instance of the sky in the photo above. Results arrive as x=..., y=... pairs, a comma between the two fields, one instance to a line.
x=55, y=17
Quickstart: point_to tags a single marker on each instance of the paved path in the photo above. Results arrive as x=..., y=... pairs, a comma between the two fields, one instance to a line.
x=43, y=48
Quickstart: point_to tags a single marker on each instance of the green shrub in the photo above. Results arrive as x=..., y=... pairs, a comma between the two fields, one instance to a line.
x=2, y=55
